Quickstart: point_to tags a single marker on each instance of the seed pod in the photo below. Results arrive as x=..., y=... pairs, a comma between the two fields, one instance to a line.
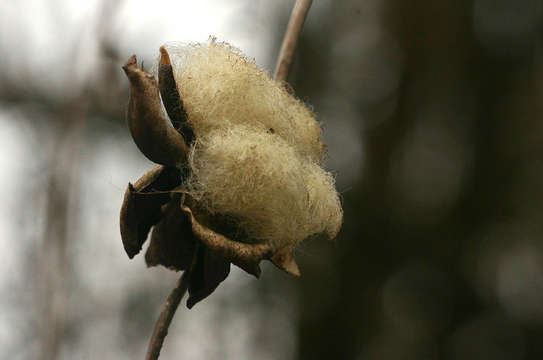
x=252, y=185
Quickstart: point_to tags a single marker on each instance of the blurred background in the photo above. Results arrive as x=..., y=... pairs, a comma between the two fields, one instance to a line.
x=432, y=111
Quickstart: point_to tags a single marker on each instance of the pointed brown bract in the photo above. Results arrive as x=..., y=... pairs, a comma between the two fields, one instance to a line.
x=284, y=259
x=172, y=241
x=155, y=139
x=246, y=256
x=209, y=271
x=171, y=98
x=142, y=204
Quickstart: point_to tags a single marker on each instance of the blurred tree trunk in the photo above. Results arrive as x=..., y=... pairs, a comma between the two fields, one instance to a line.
x=55, y=263
x=340, y=302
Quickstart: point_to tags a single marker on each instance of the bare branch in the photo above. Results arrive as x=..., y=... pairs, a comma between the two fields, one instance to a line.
x=166, y=316
x=288, y=47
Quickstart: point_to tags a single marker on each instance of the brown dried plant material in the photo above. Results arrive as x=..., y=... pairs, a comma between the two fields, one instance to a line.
x=246, y=256
x=170, y=97
x=209, y=271
x=142, y=205
x=155, y=201
x=172, y=242
x=155, y=139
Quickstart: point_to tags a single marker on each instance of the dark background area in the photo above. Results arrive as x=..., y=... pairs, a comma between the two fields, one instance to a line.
x=432, y=116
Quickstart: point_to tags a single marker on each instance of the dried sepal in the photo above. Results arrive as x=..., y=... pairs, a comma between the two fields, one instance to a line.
x=141, y=208
x=246, y=256
x=209, y=271
x=154, y=137
x=155, y=201
x=172, y=242
x=284, y=260
x=173, y=103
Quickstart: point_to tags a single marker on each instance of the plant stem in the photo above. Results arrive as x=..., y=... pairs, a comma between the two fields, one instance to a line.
x=288, y=47
x=163, y=322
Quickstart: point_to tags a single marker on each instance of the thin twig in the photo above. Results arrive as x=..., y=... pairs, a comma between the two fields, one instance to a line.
x=166, y=316
x=294, y=28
